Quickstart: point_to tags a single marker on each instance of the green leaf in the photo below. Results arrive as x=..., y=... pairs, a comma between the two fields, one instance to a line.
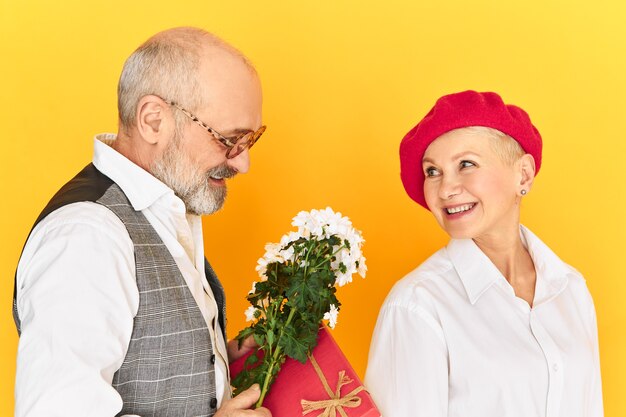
x=292, y=346
x=327, y=276
x=303, y=291
x=259, y=339
x=297, y=295
x=251, y=360
x=255, y=373
x=243, y=334
x=309, y=334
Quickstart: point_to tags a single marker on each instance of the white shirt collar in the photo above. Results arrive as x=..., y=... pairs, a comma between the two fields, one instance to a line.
x=141, y=187
x=552, y=272
x=475, y=269
x=478, y=273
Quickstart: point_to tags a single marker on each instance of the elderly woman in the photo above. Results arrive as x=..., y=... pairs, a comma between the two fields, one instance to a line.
x=494, y=324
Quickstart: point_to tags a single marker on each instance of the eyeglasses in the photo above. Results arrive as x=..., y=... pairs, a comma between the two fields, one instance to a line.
x=235, y=144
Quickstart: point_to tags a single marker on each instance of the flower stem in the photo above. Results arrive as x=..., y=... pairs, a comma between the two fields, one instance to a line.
x=274, y=360
x=325, y=260
x=306, y=258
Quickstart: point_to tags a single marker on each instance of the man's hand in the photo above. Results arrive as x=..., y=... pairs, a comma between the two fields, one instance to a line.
x=235, y=353
x=239, y=406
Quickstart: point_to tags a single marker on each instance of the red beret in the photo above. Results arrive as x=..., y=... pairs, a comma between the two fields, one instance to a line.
x=454, y=111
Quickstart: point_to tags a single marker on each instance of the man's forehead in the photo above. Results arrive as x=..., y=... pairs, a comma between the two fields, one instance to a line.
x=231, y=90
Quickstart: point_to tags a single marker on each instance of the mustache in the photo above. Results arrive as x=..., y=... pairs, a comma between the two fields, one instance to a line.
x=221, y=171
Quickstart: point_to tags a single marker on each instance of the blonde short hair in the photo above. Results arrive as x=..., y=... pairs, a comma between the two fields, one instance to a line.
x=507, y=148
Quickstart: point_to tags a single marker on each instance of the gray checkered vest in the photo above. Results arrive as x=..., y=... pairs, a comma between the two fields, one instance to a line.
x=169, y=367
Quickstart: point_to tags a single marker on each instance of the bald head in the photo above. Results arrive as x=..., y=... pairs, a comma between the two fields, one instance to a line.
x=168, y=65
x=171, y=89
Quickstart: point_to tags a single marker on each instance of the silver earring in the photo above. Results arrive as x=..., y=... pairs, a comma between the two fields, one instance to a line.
x=523, y=192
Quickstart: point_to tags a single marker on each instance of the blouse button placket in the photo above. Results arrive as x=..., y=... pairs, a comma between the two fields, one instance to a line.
x=554, y=365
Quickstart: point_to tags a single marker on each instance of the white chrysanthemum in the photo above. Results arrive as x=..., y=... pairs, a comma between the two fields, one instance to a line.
x=346, y=258
x=331, y=316
x=272, y=254
x=362, y=268
x=320, y=224
x=308, y=224
x=341, y=257
x=261, y=268
x=329, y=220
x=250, y=313
x=287, y=254
x=288, y=238
x=343, y=278
x=355, y=239
x=337, y=225
x=253, y=289
x=323, y=224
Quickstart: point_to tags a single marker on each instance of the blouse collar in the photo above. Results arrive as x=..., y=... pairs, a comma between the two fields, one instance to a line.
x=478, y=273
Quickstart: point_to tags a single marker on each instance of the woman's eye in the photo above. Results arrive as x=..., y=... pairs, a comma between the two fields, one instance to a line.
x=431, y=172
x=467, y=164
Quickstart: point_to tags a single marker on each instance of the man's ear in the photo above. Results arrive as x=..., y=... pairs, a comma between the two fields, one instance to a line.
x=153, y=123
x=527, y=173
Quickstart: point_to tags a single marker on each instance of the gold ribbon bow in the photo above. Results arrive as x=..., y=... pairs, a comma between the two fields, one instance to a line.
x=336, y=401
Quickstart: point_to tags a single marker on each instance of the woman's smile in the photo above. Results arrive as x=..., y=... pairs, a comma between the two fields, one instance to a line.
x=459, y=210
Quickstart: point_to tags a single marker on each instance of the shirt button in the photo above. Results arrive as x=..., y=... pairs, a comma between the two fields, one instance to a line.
x=213, y=402
x=555, y=367
x=212, y=359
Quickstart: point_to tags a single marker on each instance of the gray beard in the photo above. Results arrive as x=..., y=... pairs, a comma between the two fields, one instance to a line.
x=176, y=170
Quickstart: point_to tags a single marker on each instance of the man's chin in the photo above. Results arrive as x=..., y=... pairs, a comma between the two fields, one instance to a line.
x=206, y=204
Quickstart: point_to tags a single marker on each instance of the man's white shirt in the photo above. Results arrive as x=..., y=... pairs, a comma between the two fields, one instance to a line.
x=78, y=296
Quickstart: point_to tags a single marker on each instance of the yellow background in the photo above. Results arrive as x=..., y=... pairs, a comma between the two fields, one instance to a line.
x=343, y=81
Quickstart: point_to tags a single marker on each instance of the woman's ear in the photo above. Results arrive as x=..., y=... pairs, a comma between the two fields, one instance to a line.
x=527, y=173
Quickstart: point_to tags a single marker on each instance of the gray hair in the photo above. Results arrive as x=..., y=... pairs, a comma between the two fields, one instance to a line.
x=166, y=65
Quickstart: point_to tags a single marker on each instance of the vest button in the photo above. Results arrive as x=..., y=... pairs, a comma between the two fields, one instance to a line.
x=212, y=359
x=213, y=402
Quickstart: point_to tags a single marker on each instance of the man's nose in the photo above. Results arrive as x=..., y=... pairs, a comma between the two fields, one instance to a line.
x=240, y=163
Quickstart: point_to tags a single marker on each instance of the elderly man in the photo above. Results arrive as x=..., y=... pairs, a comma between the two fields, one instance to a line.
x=119, y=312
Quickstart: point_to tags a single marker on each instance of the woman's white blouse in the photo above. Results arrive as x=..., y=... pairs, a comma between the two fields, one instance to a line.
x=452, y=339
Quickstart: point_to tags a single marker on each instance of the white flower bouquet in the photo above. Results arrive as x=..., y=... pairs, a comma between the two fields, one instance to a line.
x=296, y=293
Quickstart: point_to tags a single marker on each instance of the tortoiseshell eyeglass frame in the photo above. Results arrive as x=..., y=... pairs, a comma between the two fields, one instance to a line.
x=234, y=145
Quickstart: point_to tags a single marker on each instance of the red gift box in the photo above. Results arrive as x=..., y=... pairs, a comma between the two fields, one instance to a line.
x=325, y=385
